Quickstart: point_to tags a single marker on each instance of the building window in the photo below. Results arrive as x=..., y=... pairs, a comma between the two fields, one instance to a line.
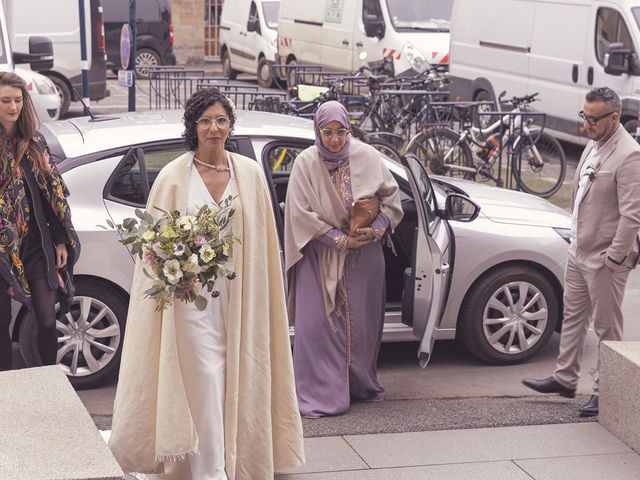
x=212, y=9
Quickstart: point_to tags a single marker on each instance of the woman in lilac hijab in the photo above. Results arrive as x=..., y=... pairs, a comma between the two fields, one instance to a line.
x=336, y=280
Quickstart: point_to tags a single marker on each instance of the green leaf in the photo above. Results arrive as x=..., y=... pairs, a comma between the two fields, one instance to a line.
x=139, y=213
x=128, y=240
x=201, y=302
x=129, y=223
x=110, y=223
x=148, y=275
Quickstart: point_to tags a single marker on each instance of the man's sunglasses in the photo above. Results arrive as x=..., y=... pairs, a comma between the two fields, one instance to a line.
x=592, y=120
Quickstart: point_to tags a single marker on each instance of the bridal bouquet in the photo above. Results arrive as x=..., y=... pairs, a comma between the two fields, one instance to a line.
x=181, y=251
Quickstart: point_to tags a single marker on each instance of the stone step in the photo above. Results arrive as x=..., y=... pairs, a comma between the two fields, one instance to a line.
x=45, y=431
x=619, y=370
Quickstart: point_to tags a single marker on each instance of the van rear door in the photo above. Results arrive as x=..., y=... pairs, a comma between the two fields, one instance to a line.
x=557, y=69
x=338, y=36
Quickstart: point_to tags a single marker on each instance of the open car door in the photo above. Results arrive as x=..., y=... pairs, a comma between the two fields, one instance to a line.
x=428, y=278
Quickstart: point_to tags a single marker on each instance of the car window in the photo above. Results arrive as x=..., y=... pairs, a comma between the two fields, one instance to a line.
x=371, y=10
x=127, y=186
x=425, y=193
x=610, y=28
x=158, y=157
x=148, y=11
x=270, y=12
x=278, y=158
x=253, y=16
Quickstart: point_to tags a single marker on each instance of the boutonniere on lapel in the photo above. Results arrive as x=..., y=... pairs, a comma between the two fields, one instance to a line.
x=590, y=172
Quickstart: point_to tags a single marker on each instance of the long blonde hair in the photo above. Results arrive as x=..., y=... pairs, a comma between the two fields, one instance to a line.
x=27, y=123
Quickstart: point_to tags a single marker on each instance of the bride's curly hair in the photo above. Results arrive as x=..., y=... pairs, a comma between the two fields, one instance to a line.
x=198, y=103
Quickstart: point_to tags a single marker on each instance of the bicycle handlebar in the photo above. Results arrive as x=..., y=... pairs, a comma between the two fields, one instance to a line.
x=516, y=101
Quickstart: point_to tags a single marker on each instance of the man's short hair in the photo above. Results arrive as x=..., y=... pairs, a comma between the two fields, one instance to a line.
x=608, y=96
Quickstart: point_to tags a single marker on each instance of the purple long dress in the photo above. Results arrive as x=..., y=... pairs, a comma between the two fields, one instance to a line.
x=334, y=363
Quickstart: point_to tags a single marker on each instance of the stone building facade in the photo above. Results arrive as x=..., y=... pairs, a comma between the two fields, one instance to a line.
x=195, y=30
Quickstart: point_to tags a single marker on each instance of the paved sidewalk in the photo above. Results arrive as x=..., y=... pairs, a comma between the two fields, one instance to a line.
x=580, y=451
x=575, y=451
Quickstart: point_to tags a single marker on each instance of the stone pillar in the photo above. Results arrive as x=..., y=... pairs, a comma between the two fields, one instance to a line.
x=619, y=369
x=188, y=31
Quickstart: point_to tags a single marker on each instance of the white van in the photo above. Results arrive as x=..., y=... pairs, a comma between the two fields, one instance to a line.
x=60, y=21
x=333, y=33
x=248, y=32
x=40, y=57
x=559, y=48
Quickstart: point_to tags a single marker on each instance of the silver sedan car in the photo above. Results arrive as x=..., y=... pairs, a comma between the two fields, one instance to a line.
x=476, y=263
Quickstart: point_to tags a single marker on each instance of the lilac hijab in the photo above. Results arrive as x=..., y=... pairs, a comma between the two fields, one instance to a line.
x=329, y=112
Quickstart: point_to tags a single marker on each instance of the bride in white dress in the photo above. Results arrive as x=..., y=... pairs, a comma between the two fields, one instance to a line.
x=201, y=336
x=209, y=395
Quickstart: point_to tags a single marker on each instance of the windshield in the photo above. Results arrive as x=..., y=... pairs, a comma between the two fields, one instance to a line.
x=270, y=12
x=428, y=15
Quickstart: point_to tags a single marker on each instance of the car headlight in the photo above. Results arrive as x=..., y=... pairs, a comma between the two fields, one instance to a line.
x=44, y=85
x=415, y=58
x=565, y=233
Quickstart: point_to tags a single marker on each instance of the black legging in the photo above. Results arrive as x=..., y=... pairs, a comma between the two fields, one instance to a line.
x=43, y=300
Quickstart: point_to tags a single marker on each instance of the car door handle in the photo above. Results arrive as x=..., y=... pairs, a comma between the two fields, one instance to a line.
x=574, y=74
x=590, y=75
x=359, y=44
x=345, y=42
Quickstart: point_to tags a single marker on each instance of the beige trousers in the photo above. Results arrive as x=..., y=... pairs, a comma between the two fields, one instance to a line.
x=589, y=293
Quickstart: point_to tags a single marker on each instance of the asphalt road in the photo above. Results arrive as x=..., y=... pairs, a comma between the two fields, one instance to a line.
x=454, y=391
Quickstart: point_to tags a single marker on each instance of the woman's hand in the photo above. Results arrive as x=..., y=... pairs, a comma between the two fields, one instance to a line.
x=364, y=236
x=61, y=255
x=366, y=233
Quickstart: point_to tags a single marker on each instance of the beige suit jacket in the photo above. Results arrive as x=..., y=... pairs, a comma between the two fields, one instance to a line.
x=608, y=220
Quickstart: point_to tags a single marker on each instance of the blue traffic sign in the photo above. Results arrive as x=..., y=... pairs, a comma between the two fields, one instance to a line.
x=125, y=46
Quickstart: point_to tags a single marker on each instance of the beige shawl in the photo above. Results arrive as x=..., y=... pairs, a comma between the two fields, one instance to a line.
x=313, y=207
x=151, y=421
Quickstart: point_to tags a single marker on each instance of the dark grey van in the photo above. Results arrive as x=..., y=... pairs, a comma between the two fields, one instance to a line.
x=154, y=38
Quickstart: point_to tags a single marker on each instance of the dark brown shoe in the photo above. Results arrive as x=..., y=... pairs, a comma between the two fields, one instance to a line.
x=549, y=385
x=590, y=409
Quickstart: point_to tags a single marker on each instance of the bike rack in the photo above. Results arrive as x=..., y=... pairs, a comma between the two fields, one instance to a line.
x=509, y=130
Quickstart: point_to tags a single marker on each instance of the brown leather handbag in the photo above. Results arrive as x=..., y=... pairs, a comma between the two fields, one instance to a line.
x=363, y=212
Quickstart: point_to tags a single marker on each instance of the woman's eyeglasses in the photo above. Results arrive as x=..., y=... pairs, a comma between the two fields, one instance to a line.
x=205, y=122
x=592, y=120
x=328, y=132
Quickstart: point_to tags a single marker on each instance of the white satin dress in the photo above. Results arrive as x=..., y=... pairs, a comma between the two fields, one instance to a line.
x=201, y=341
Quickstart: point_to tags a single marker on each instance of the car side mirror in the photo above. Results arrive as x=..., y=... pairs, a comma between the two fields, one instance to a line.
x=253, y=25
x=616, y=60
x=374, y=26
x=634, y=64
x=40, y=56
x=461, y=208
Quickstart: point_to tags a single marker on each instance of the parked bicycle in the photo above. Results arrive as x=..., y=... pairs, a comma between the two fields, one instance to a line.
x=537, y=160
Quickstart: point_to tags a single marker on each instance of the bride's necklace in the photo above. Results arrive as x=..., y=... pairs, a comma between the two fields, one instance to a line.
x=217, y=168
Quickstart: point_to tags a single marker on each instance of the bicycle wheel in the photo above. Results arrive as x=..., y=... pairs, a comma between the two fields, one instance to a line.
x=440, y=151
x=386, y=149
x=543, y=166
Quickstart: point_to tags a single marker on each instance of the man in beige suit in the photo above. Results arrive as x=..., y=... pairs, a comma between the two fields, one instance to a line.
x=605, y=246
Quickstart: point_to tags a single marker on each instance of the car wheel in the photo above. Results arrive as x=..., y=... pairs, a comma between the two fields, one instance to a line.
x=145, y=59
x=265, y=75
x=89, y=337
x=227, y=71
x=64, y=92
x=481, y=119
x=509, y=315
